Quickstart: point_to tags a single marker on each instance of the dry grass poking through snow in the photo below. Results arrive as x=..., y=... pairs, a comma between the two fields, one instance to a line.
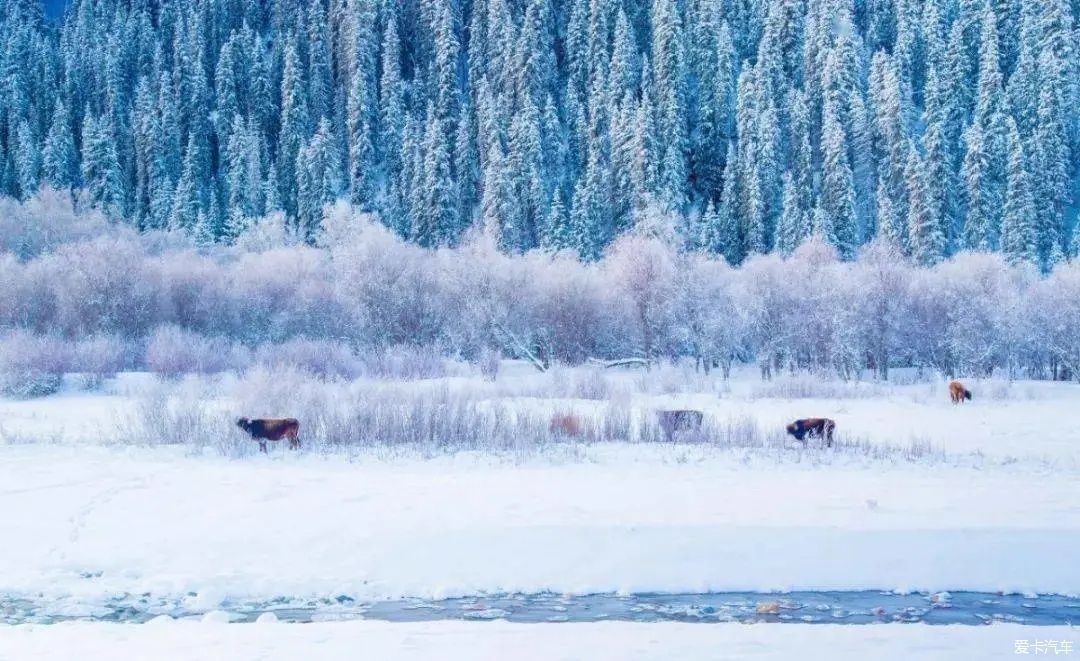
x=440, y=417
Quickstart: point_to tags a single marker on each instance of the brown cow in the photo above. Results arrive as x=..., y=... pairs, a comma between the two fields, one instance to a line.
x=820, y=427
x=958, y=393
x=272, y=429
x=565, y=424
x=679, y=420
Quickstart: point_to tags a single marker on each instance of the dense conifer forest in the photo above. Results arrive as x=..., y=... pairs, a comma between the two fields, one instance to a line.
x=745, y=125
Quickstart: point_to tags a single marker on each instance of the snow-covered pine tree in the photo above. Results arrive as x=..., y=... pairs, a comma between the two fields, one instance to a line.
x=625, y=59
x=590, y=213
x=186, y=201
x=435, y=216
x=535, y=54
x=59, y=159
x=27, y=160
x=295, y=121
x=608, y=78
x=726, y=240
x=925, y=227
x=837, y=200
x=100, y=167
x=391, y=94
x=890, y=150
x=984, y=162
x=1050, y=154
x=669, y=78
x=557, y=232
x=793, y=227
x=319, y=65
x=940, y=181
x=319, y=180
x=362, y=106
x=1019, y=223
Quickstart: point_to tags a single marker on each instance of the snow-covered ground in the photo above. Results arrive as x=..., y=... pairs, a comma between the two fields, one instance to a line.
x=450, y=641
x=85, y=520
x=1006, y=420
x=100, y=521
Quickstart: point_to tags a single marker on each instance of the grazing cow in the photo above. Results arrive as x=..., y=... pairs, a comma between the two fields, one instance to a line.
x=682, y=420
x=565, y=424
x=272, y=429
x=958, y=393
x=819, y=427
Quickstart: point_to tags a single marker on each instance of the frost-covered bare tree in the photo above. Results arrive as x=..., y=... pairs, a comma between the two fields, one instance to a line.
x=365, y=293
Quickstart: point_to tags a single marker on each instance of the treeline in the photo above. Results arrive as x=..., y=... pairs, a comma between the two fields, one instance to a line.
x=363, y=291
x=943, y=125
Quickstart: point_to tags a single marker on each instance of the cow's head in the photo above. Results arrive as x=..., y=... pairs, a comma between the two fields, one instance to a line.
x=243, y=423
x=967, y=394
x=797, y=429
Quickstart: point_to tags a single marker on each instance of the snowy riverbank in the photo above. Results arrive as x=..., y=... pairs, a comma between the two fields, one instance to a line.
x=97, y=522
x=615, y=641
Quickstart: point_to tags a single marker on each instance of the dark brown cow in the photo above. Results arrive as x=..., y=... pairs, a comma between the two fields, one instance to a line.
x=681, y=420
x=272, y=429
x=819, y=427
x=958, y=393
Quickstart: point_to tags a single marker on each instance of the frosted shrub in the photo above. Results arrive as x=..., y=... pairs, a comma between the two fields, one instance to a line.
x=711, y=321
x=592, y=383
x=981, y=291
x=642, y=269
x=489, y=362
x=102, y=285
x=182, y=417
x=45, y=222
x=390, y=291
x=808, y=385
x=194, y=294
x=1055, y=306
x=32, y=366
x=323, y=358
x=878, y=308
x=281, y=294
x=81, y=276
x=173, y=352
x=404, y=362
x=98, y=358
x=574, y=315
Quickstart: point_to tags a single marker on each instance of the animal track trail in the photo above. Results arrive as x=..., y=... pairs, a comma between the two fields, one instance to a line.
x=78, y=520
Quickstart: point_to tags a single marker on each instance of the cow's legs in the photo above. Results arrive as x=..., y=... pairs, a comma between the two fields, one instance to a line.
x=262, y=447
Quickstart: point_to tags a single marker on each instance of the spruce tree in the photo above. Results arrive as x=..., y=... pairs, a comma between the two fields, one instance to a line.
x=59, y=159
x=925, y=227
x=1019, y=223
x=1050, y=153
x=100, y=167
x=727, y=241
x=295, y=121
x=318, y=179
x=27, y=160
x=186, y=202
x=362, y=108
x=391, y=99
x=792, y=229
x=837, y=191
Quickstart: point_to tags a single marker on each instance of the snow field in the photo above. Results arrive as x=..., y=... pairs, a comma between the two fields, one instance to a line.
x=615, y=641
x=100, y=522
